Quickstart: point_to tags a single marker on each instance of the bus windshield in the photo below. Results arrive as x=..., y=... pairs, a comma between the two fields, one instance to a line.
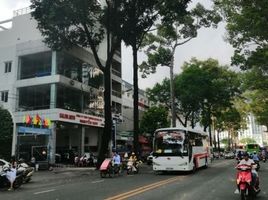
x=170, y=142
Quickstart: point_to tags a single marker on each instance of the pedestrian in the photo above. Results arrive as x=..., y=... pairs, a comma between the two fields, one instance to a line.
x=11, y=173
x=33, y=163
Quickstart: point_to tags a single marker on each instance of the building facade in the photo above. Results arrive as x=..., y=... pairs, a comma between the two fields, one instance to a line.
x=55, y=98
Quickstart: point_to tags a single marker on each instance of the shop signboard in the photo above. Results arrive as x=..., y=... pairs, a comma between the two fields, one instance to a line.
x=73, y=117
x=33, y=131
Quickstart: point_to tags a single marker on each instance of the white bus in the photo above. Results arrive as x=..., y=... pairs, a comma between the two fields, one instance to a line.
x=180, y=149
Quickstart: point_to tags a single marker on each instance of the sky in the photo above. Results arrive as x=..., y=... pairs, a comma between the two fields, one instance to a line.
x=208, y=44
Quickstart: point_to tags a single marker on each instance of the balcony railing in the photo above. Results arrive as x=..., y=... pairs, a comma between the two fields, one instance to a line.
x=116, y=93
x=22, y=11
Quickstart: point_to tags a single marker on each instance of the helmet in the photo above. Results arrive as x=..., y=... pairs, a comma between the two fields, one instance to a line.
x=133, y=153
x=6, y=168
x=246, y=155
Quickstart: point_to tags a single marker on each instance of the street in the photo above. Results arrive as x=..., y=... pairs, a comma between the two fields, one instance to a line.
x=215, y=183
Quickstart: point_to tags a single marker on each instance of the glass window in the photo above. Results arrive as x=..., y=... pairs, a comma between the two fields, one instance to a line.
x=8, y=66
x=196, y=139
x=34, y=98
x=76, y=69
x=170, y=142
x=35, y=65
x=4, y=96
x=68, y=98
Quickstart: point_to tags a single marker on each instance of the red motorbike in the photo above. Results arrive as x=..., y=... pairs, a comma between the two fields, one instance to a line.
x=244, y=183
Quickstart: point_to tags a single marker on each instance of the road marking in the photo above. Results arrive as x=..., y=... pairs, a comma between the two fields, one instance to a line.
x=46, y=191
x=99, y=181
x=143, y=189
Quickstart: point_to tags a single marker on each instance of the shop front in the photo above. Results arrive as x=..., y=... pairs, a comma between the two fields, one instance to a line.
x=58, y=136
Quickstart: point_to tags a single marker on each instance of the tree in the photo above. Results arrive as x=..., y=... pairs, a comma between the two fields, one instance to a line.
x=247, y=141
x=247, y=33
x=6, y=133
x=140, y=17
x=199, y=81
x=203, y=90
x=170, y=34
x=83, y=23
x=230, y=120
x=154, y=118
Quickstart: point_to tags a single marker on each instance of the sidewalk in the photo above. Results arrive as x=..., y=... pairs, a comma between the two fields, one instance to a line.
x=62, y=173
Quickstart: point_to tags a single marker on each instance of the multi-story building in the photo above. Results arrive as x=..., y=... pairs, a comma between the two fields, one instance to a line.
x=253, y=130
x=124, y=127
x=55, y=98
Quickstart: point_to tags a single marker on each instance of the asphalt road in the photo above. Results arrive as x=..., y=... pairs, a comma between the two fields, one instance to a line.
x=215, y=183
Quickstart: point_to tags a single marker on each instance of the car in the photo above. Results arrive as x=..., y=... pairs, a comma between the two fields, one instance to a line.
x=229, y=155
x=149, y=159
x=2, y=163
x=216, y=155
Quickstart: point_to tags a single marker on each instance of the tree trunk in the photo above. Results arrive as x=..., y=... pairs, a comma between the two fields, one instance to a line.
x=135, y=100
x=172, y=96
x=106, y=135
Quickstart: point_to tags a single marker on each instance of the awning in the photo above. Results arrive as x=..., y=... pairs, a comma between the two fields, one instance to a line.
x=33, y=131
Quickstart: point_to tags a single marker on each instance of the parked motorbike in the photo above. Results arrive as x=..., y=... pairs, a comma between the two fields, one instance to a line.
x=26, y=170
x=244, y=183
x=4, y=182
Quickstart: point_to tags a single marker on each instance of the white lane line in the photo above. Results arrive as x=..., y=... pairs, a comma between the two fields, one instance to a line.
x=45, y=191
x=99, y=181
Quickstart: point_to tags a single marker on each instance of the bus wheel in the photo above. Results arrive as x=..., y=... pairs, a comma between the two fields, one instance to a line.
x=206, y=163
x=194, y=167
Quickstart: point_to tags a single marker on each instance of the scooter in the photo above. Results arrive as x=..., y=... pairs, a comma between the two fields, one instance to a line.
x=4, y=182
x=244, y=183
x=257, y=165
x=132, y=167
x=26, y=170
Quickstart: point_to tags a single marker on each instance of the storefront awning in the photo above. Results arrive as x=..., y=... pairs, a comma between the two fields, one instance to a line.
x=33, y=131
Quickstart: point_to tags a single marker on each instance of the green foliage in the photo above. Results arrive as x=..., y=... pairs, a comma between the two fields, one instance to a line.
x=203, y=88
x=225, y=141
x=247, y=141
x=247, y=33
x=65, y=24
x=154, y=118
x=6, y=131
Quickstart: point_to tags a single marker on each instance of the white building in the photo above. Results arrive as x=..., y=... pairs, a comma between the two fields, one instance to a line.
x=42, y=85
x=253, y=130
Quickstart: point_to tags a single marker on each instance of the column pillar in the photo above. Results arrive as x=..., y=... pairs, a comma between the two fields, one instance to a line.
x=83, y=140
x=52, y=143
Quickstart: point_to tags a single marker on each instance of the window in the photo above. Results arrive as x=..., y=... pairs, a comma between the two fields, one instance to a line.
x=4, y=96
x=8, y=66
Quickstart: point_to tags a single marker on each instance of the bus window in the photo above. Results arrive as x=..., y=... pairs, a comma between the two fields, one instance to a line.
x=170, y=143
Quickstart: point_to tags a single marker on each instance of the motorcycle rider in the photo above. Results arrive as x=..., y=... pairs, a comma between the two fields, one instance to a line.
x=249, y=162
x=116, y=161
x=133, y=159
x=255, y=157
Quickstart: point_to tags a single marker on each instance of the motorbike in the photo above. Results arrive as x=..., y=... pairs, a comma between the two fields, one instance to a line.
x=244, y=183
x=257, y=165
x=109, y=168
x=26, y=170
x=4, y=182
x=132, y=167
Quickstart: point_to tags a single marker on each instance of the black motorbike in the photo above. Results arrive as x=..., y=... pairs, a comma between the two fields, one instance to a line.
x=4, y=182
x=258, y=165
